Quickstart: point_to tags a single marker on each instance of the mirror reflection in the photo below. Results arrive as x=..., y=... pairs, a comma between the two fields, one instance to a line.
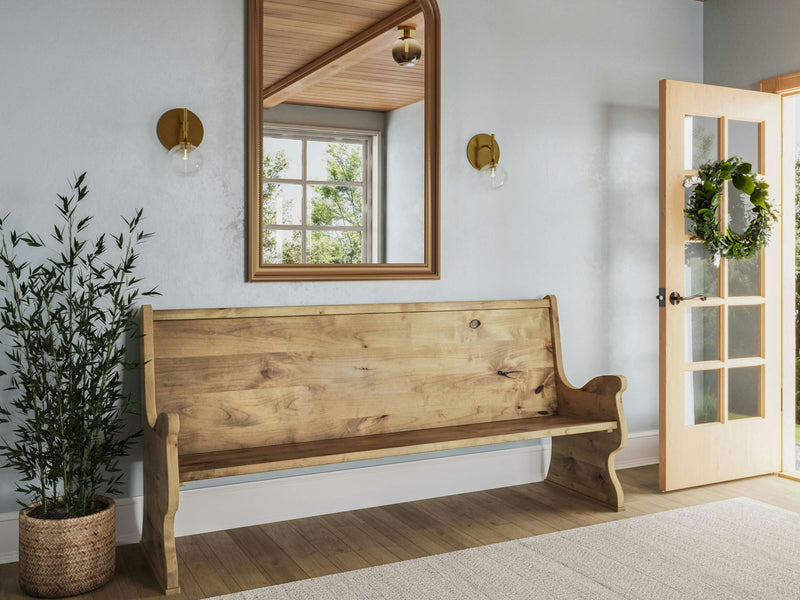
x=343, y=132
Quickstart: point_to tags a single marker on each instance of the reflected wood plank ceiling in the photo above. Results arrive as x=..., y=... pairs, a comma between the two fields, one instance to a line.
x=297, y=32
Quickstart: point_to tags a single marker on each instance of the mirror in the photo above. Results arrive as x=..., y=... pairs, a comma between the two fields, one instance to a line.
x=343, y=140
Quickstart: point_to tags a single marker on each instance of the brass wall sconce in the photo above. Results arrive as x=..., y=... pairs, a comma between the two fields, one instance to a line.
x=406, y=51
x=483, y=153
x=181, y=132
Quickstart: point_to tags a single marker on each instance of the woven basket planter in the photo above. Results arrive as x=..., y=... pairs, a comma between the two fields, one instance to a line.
x=66, y=557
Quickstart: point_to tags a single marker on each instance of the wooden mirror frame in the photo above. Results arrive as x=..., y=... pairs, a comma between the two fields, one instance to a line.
x=255, y=117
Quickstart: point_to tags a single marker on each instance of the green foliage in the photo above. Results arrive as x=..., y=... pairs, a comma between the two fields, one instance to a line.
x=338, y=205
x=704, y=143
x=275, y=165
x=65, y=320
x=703, y=209
x=706, y=406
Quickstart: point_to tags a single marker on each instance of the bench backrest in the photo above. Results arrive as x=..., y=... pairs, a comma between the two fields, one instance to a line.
x=241, y=378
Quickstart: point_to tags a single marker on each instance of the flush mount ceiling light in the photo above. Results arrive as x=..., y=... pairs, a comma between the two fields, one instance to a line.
x=483, y=153
x=406, y=51
x=181, y=132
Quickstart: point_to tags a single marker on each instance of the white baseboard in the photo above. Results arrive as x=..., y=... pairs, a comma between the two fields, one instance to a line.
x=242, y=504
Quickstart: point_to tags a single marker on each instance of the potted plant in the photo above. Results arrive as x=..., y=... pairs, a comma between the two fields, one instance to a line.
x=68, y=307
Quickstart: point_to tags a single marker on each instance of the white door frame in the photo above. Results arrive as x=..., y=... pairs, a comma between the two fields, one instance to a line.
x=787, y=85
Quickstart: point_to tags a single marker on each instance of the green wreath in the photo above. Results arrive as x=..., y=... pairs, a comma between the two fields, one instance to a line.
x=703, y=207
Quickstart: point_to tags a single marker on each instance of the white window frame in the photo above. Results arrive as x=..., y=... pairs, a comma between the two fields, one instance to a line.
x=370, y=217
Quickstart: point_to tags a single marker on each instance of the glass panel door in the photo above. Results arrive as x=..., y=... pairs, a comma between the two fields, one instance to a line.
x=721, y=348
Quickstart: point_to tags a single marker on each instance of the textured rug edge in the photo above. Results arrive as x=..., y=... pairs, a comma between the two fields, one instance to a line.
x=255, y=594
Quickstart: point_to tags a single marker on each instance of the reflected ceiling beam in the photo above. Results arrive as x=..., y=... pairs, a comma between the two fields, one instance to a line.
x=343, y=56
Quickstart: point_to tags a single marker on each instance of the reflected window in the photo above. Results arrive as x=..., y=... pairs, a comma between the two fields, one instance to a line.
x=317, y=196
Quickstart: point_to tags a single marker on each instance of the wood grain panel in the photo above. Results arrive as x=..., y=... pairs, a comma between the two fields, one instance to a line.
x=238, y=383
x=364, y=334
x=290, y=456
x=342, y=309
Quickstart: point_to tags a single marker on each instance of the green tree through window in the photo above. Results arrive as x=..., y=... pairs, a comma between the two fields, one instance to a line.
x=333, y=228
x=338, y=205
x=275, y=166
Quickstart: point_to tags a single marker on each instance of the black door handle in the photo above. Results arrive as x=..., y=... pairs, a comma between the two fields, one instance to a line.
x=676, y=298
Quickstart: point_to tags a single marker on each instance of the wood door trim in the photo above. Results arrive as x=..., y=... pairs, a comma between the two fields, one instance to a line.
x=787, y=85
x=784, y=85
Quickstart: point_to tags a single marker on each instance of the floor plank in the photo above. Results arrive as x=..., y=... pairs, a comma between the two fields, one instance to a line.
x=250, y=557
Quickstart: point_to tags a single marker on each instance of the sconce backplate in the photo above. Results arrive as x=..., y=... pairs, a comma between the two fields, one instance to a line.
x=479, y=150
x=170, y=128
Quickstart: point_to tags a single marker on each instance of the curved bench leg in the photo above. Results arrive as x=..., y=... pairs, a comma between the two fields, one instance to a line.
x=584, y=463
x=160, y=470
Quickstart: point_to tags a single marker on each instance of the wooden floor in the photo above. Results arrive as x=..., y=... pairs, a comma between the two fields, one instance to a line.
x=229, y=561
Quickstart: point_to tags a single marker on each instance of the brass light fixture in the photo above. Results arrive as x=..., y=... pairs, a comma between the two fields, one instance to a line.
x=406, y=51
x=181, y=132
x=483, y=153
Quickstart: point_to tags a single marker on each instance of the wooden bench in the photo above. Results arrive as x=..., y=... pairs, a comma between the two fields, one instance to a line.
x=246, y=390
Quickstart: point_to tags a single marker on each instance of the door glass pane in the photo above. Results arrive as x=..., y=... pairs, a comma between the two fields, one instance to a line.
x=281, y=247
x=283, y=159
x=701, y=397
x=334, y=247
x=687, y=194
x=701, y=141
x=743, y=386
x=743, y=328
x=743, y=277
x=283, y=204
x=701, y=273
x=702, y=334
x=743, y=142
x=740, y=209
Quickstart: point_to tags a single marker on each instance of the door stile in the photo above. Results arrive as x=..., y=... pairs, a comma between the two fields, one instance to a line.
x=788, y=342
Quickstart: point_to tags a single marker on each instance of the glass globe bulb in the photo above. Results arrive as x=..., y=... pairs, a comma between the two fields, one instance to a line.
x=406, y=51
x=185, y=158
x=493, y=176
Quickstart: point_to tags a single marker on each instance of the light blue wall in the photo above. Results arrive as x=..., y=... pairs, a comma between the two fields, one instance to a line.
x=746, y=41
x=405, y=184
x=570, y=89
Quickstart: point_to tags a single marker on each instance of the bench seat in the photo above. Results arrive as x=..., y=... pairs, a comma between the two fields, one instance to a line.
x=224, y=463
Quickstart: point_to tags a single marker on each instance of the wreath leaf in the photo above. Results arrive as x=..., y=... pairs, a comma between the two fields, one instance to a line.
x=703, y=206
x=743, y=183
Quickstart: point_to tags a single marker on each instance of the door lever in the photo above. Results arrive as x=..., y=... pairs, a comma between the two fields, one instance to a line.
x=676, y=298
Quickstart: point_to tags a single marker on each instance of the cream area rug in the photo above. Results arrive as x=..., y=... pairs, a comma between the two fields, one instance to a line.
x=737, y=548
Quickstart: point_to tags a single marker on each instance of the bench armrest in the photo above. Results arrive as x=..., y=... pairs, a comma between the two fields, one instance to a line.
x=167, y=425
x=601, y=398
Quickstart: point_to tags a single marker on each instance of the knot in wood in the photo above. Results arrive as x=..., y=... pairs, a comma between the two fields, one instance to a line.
x=504, y=373
x=474, y=324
